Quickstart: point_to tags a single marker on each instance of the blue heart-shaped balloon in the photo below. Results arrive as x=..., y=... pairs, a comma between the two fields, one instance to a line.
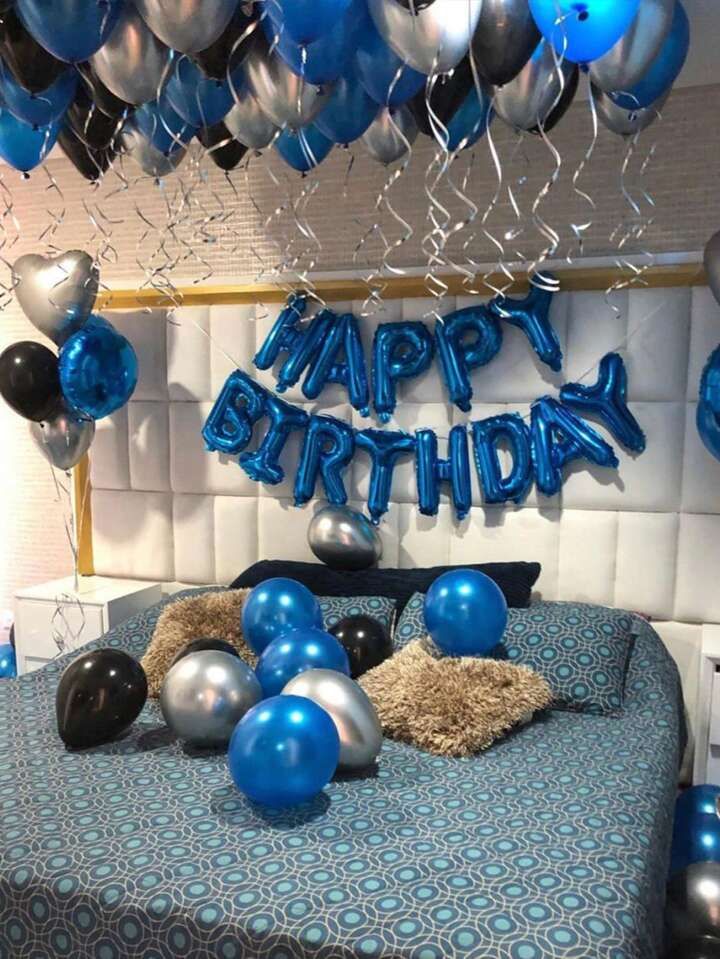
x=71, y=30
x=24, y=146
x=42, y=108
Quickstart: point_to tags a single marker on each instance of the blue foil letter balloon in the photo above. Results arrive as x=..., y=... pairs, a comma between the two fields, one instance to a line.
x=343, y=337
x=384, y=447
x=465, y=613
x=431, y=471
x=532, y=316
x=400, y=351
x=262, y=465
x=300, y=343
x=229, y=426
x=607, y=399
x=276, y=607
x=98, y=369
x=458, y=357
x=708, y=411
x=487, y=434
x=559, y=436
x=583, y=31
x=328, y=448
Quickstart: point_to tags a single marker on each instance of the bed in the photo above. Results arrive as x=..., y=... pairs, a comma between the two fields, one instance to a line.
x=553, y=843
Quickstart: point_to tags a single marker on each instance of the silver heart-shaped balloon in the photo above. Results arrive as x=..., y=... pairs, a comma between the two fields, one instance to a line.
x=527, y=101
x=434, y=39
x=132, y=61
x=248, y=124
x=388, y=136
x=622, y=121
x=284, y=97
x=188, y=26
x=625, y=64
x=64, y=439
x=57, y=294
x=149, y=158
x=712, y=264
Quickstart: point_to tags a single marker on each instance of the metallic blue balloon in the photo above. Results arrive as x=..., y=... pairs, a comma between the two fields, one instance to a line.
x=323, y=60
x=559, y=436
x=163, y=126
x=465, y=613
x=708, y=411
x=286, y=336
x=400, y=351
x=583, y=31
x=327, y=451
x=198, y=99
x=98, y=369
x=431, y=471
x=263, y=465
x=696, y=827
x=276, y=607
x=241, y=403
x=38, y=109
x=293, y=653
x=71, y=30
x=8, y=663
x=607, y=399
x=385, y=447
x=348, y=112
x=303, y=149
x=458, y=357
x=341, y=340
x=305, y=21
x=284, y=751
x=385, y=77
x=487, y=434
x=665, y=68
x=470, y=121
x=23, y=146
x=532, y=316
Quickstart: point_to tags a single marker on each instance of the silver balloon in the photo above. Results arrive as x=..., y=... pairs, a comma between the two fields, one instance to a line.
x=712, y=264
x=56, y=293
x=187, y=25
x=388, y=136
x=505, y=39
x=350, y=708
x=132, y=60
x=433, y=39
x=625, y=64
x=342, y=538
x=206, y=694
x=248, y=124
x=527, y=101
x=623, y=121
x=149, y=158
x=64, y=439
x=693, y=902
x=284, y=97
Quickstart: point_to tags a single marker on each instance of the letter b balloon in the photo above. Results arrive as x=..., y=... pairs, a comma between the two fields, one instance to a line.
x=465, y=613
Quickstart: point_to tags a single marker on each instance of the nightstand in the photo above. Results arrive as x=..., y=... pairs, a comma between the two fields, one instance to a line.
x=706, y=768
x=102, y=602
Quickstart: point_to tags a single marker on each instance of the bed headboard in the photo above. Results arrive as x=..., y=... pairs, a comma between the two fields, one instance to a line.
x=645, y=537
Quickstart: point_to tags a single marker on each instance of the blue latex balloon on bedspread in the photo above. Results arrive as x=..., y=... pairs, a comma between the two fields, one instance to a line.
x=708, y=410
x=465, y=613
x=275, y=607
x=8, y=663
x=696, y=827
x=284, y=751
x=294, y=653
x=98, y=369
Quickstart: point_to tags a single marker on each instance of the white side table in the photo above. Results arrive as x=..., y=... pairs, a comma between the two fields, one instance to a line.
x=101, y=602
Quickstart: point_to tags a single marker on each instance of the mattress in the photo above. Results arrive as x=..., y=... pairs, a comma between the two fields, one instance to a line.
x=552, y=843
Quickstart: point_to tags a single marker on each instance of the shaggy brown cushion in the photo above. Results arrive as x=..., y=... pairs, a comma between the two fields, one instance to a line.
x=206, y=616
x=451, y=706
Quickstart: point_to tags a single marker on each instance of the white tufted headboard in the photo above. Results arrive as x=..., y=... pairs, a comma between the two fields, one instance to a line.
x=646, y=537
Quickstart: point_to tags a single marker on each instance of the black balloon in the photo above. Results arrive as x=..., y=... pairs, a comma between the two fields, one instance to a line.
x=31, y=65
x=449, y=91
x=88, y=162
x=197, y=645
x=99, y=695
x=96, y=129
x=29, y=380
x=366, y=642
x=224, y=149
x=563, y=104
x=701, y=947
x=214, y=60
x=105, y=99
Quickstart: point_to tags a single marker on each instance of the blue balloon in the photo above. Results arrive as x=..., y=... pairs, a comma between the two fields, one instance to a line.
x=276, y=607
x=385, y=447
x=400, y=351
x=470, y=121
x=607, y=399
x=23, y=146
x=388, y=80
x=327, y=451
x=303, y=149
x=487, y=434
x=284, y=751
x=8, y=662
x=696, y=827
x=348, y=112
x=71, y=30
x=305, y=21
x=431, y=471
x=323, y=60
x=38, y=109
x=294, y=653
x=559, y=436
x=583, y=31
x=532, y=315
x=665, y=68
x=465, y=613
x=708, y=411
x=198, y=99
x=241, y=403
x=341, y=340
x=458, y=356
x=163, y=126
x=263, y=465
x=98, y=369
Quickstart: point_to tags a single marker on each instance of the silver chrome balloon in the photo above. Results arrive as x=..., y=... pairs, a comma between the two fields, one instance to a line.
x=64, y=439
x=132, y=60
x=149, y=158
x=56, y=293
x=712, y=264
x=622, y=121
x=187, y=25
x=342, y=538
x=528, y=100
x=625, y=64
x=431, y=40
x=206, y=694
x=350, y=708
x=505, y=39
x=284, y=97
x=248, y=124
x=693, y=902
x=389, y=136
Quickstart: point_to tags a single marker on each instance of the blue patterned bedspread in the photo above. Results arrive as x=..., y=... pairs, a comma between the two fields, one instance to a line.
x=553, y=843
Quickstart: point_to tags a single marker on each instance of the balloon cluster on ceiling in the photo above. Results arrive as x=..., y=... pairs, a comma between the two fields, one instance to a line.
x=144, y=77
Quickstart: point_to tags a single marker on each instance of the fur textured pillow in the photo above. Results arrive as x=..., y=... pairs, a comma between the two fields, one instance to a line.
x=451, y=706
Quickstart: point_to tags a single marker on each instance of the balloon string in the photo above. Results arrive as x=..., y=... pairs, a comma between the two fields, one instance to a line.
x=579, y=229
x=514, y=191
x=57, y=217
x=435, y=240
x=9, y=236
x=65, y=636
x=500, y=268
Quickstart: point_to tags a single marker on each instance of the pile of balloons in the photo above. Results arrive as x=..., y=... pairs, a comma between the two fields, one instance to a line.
x=146, y=76
x=95, y=372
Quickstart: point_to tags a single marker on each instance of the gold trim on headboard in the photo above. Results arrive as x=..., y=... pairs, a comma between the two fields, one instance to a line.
x=83, y=517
